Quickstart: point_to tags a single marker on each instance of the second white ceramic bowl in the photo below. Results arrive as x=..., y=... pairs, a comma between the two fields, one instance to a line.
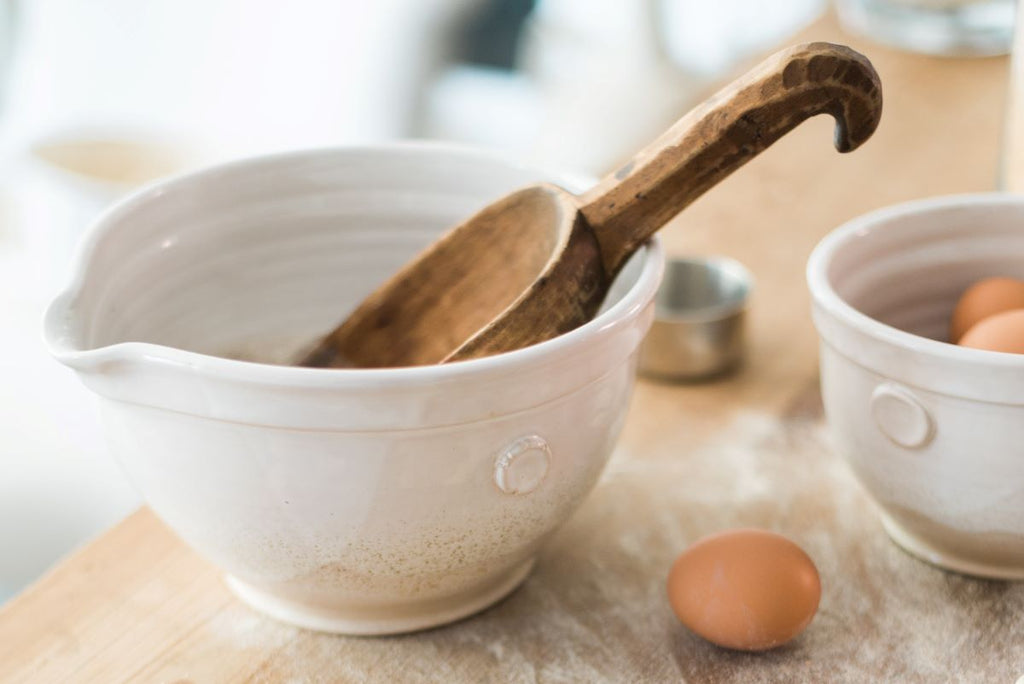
x=935, y=432
x=355, y=501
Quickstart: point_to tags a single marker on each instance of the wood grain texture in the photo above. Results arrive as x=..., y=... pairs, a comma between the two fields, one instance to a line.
x=138, y=606
x=539, y=263
x=727, y=131
x=459, y=284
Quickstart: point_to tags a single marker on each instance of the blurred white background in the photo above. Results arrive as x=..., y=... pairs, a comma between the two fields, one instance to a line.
x=97, y=96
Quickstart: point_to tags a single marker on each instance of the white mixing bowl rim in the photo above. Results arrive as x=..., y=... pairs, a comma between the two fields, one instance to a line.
x=59, y=339
x=829, y=300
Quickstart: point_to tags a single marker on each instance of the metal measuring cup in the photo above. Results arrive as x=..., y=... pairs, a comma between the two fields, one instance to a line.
x=698, y=330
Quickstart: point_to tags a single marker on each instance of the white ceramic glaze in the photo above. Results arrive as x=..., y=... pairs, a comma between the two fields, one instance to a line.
x=67, y=178
x=355, y=501
x=935, y=432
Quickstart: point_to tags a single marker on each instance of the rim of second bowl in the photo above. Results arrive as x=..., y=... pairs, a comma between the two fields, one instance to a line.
x=825, y=295
x=56, y=335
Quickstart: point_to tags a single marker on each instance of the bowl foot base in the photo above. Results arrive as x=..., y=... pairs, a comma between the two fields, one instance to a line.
x=395, y=621
x=927, y=552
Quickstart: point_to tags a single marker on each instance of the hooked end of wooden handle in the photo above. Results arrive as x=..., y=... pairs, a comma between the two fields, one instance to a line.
x=859, y=108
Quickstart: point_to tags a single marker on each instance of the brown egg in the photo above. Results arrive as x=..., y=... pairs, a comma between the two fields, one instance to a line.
x=744, y=589
x=1003, y=332
x=983, y=299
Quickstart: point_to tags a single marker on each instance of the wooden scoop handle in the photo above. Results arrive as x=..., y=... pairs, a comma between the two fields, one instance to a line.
x=727, y=131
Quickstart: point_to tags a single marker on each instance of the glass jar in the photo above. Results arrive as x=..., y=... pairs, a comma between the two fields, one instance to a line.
x=952, y=28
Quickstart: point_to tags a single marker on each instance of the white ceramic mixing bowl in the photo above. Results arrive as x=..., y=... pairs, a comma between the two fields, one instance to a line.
x=935, y=432
x=355, y=501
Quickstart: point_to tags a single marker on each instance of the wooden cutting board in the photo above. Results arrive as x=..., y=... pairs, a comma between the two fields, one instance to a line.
x=137, y=605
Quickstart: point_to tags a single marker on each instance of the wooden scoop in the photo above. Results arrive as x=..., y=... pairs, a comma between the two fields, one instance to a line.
x=539, y=262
